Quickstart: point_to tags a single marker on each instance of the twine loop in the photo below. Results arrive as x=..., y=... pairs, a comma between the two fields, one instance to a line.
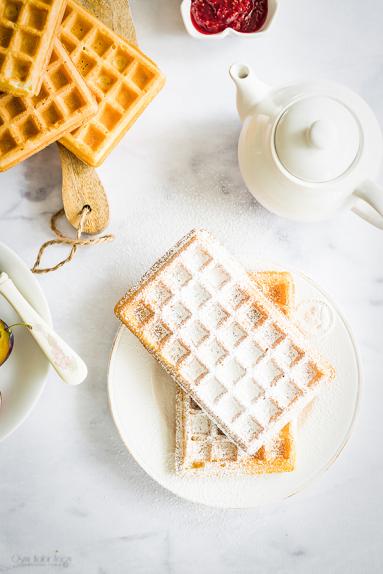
x=62, y=239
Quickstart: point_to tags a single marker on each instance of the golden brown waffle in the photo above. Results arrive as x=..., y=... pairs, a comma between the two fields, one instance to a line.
x=27, y=32
x=123, y=80
x=28, y=124
x=230, y=348
x=201, y=447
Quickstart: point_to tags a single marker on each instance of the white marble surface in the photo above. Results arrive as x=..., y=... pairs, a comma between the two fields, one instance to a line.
x=71, y=496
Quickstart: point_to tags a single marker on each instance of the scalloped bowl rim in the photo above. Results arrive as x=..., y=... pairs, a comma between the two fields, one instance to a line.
x=191, y=29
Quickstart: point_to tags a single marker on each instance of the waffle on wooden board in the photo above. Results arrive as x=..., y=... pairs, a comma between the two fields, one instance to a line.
x=122, y=79
x=201, y=447
x=30, y=123
x=27, y=32
x=230, y=348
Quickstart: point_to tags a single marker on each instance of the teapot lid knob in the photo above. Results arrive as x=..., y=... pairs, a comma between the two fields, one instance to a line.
x=317, y=139
x=322, y=134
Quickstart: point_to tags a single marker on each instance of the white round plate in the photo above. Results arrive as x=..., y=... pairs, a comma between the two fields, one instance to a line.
x=142, y=399
x=22, y=376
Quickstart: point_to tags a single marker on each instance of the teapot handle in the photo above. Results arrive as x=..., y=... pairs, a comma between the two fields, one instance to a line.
x=369, y=204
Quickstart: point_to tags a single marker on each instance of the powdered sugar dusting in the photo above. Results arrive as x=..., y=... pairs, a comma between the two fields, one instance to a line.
x=213, y=289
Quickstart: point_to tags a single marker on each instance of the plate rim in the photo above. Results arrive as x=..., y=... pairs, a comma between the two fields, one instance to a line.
x=44, y=310
x=330, y=462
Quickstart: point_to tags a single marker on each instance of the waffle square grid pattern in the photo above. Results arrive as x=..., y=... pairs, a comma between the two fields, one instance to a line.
x=122, y=79
x=27, y=32
x=28, y=124
x=232, y=350
x=202, y=449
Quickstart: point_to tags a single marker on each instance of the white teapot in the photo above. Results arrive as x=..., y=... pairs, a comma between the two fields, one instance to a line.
x=309, y=150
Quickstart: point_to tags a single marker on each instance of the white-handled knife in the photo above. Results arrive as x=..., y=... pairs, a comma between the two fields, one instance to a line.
x=68, y=365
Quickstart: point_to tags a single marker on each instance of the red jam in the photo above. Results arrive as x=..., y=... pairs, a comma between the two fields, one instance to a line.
x=213, y=16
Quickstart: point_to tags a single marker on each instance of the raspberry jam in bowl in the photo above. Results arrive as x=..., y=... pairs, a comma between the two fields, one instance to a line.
x=219, y=18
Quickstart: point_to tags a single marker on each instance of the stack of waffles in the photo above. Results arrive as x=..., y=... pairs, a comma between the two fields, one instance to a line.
x=66, y=76
x=244, y=371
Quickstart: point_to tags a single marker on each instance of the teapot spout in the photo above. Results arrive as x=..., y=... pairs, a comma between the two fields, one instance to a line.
x=250, y=90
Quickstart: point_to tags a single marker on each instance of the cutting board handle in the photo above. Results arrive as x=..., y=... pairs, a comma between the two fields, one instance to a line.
x=81, y=187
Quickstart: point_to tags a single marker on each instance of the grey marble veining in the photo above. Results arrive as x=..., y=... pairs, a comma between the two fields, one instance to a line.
x=72, y=498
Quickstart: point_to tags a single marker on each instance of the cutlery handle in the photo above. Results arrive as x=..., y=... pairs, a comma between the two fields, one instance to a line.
x=68, y=365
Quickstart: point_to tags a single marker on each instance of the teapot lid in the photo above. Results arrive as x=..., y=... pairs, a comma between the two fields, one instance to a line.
x=317, y=139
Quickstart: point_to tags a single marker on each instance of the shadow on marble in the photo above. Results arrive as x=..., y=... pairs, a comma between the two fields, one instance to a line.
x=42, y=175
x=34, y=186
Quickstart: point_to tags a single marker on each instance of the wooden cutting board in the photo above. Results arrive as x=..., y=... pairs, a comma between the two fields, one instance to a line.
x=81, y=185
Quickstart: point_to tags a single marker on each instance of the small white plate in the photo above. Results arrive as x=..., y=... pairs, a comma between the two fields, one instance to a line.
x=142, y=403
x=22, y=377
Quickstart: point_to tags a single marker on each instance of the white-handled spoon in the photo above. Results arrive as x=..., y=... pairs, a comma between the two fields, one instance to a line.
x=68, y=365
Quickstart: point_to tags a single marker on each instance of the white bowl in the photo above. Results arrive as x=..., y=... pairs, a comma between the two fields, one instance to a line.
x=192, y=30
